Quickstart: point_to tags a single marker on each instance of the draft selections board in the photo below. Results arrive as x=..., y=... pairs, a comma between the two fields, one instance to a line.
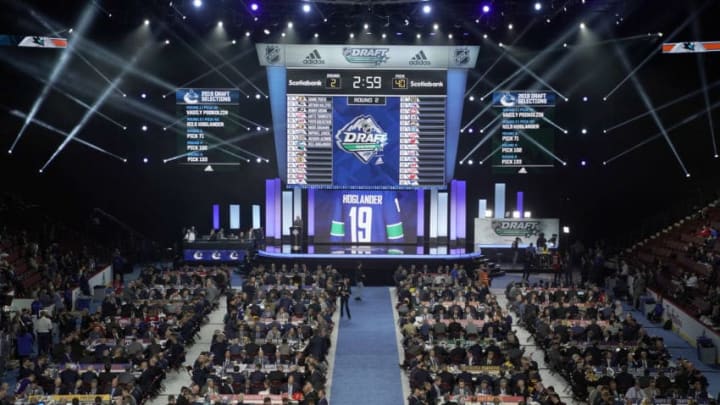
x=366, y=128
x=526, y=139
x=208, y=128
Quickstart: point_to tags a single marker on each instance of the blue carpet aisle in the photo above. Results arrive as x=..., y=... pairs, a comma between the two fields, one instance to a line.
x=366, y=361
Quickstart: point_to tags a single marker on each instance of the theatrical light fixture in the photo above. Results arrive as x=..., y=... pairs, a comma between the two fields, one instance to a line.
x=197, y=3
x=485, y=8
x=247, y=33
x=584, y=98
x=147, y=22
x=259, y=160
x=144, y=128
x=145, y=160
x=538, y=6
x=266, y=31
x=418, y=36
x=582, y=25
x=290, y=24
x=470, y=162
x=306, y=8
x=583, y=163
x=500, y=44
x=547, y=20
x=234, y=42
x=510, y=26
x=254, y=7
x=352, y=35
x=316, y=35
x=384, y=35
x=660, y=34
x=687, y=174
x=282, y=35
x=436, y=26
x=70, y=30
x=516, y=214
x=143, y=95
x=584, y=131
x=470, y=131
x=484, y=36
x=471, y=98
x=716, y=156
x=450, y=36
x=427, y=9
x=257, y=96
x=220, y=23
x=366, y=26
x=167, y=42
x=565, y=45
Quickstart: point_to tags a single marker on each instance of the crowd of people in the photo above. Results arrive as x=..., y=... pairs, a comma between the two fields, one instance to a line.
x=683, y=263
x=275, y=341
x=603, y=352
x=458, y=342
x=124, y=347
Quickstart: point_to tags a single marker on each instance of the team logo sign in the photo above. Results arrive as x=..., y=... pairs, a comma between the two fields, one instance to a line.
x=272, y=54
x=191, y=97
x=368, y=56
x=364, y=138
x=508, y=100
x=462, y=56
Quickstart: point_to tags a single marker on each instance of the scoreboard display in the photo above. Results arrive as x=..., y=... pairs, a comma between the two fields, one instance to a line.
x=366, y=128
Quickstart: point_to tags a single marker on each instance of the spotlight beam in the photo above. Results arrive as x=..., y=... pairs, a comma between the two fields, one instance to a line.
x=656, y=51
x=93, y=67
x=209, y=72
x=83, y=24
x=49, y=127
x=98, y=103
x=231, y=66
x=703, y=79
x=84, y=104
x=246, y=119
x=496, y=150
x=500, y=57
x=494, y=120
x=482, y=141
x=663, y=106
x=532, y=74
x=648, y=105
x=205, y=61
x=658, y=135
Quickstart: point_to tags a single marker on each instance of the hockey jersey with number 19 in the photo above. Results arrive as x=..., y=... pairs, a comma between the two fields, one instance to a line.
x=367, y=217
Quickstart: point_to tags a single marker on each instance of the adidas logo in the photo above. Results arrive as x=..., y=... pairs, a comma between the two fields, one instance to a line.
x=420, y=59
x=314, y=58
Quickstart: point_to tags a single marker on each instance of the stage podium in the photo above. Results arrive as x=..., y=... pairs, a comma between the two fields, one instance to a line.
x=296, y=238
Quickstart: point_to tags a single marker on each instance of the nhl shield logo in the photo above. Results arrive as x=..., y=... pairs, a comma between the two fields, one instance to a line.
x=272, y=54
x=364, y=138
x=462, y=56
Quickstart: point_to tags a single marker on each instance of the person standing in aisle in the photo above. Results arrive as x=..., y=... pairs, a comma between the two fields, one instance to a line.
x=359, y=282
x=345, y=292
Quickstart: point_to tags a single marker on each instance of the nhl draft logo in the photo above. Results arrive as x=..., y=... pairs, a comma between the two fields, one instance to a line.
x=462, y=56
x=367, y=56
x=364, y=138
x=272, y=54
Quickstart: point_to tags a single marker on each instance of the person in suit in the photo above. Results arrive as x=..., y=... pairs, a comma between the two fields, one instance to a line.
x=417, y=397
x=322, y=398
x=345, y=293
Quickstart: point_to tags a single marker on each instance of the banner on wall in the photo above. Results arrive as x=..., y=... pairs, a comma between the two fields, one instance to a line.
x=491, y=232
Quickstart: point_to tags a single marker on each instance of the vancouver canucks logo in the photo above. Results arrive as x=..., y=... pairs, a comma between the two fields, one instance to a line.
x=364, y=138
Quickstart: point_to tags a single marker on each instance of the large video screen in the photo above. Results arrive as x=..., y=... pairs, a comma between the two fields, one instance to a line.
x=527, y=139
x=372, y=129
x=364, y=216
x=207, y=124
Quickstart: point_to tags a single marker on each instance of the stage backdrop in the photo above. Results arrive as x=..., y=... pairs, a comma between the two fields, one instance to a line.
x=491, y=232
x=364, y=216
